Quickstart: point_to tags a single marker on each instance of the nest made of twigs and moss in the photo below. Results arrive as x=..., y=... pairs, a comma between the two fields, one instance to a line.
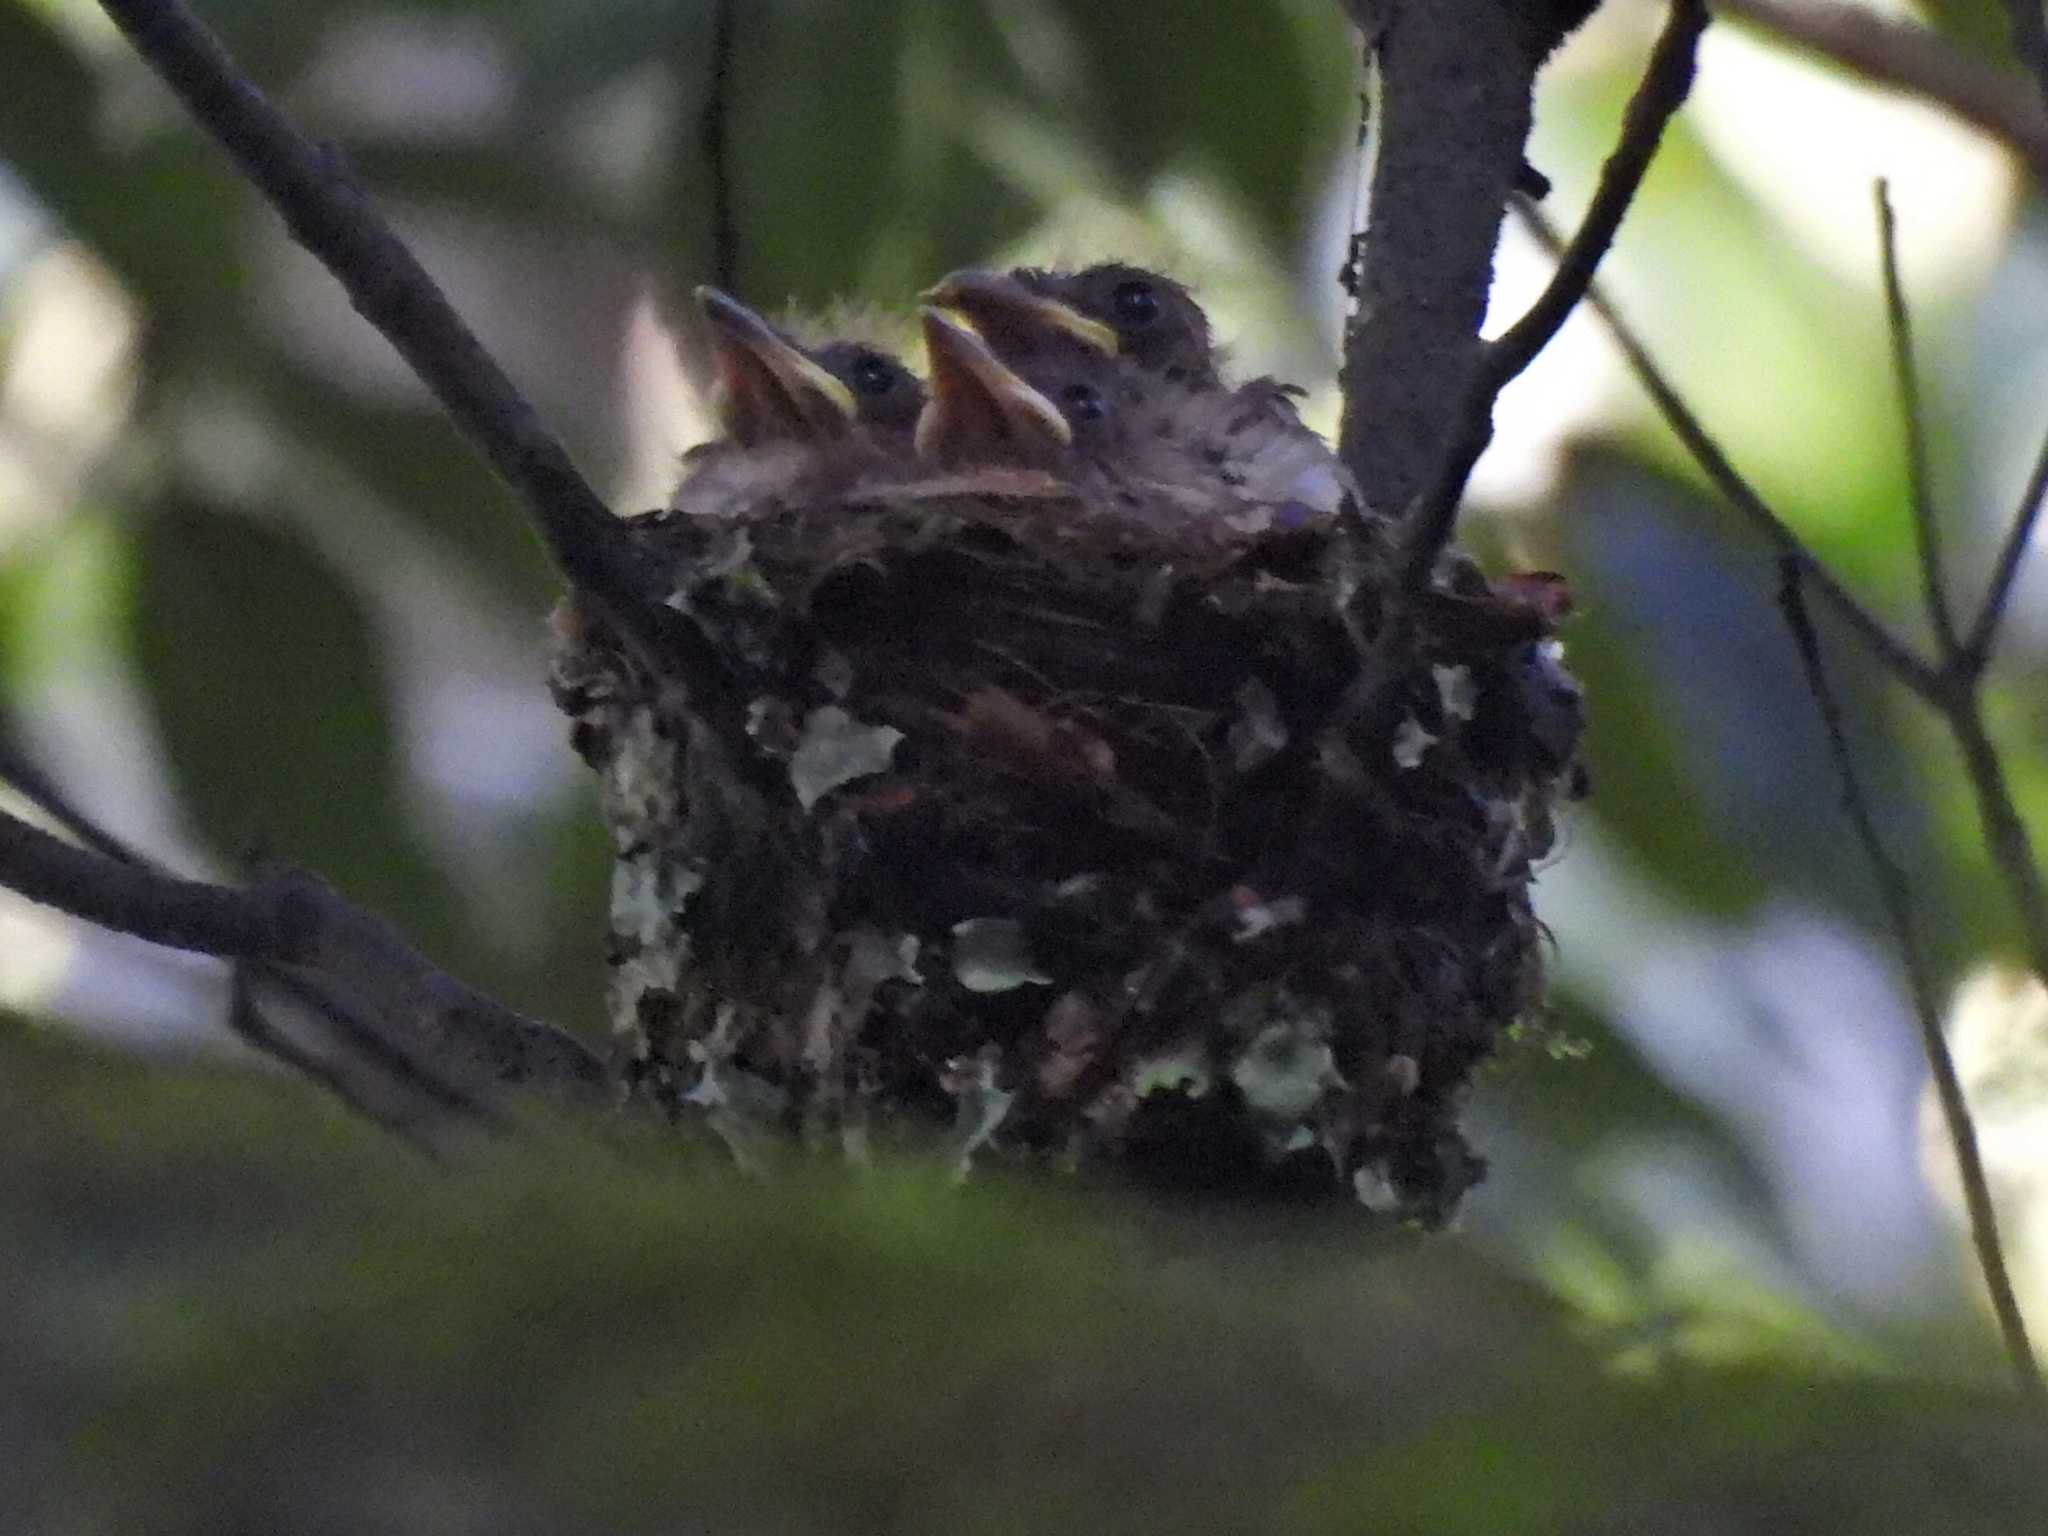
x=1048, y=826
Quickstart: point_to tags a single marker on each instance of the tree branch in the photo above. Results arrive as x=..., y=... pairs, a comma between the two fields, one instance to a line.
x=1454, y=117
x=1431, y=518
x=415, y=1030
x=2005, y=834
x=713, y=132
x=329, y=214
x=1666, y=82
x=1926, y=531
x=1910, y=58
x=1898, y=658
x=133, y=899
x=2030, y=40
x=1894, y=891
x=2019, y=537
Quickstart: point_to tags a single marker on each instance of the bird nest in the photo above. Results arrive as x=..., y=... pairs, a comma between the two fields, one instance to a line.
x=1035, y=827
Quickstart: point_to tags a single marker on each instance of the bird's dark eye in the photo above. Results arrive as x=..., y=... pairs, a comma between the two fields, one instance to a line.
x=1135, y=301
x=871, y=375
x=1084, y=402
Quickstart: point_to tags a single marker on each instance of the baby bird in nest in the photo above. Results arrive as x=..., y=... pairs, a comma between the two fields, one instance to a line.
x=794, y=419
x=1037, y=312
x=1134, y=346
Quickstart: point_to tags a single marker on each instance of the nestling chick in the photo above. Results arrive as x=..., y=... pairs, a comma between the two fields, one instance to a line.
x=1112, y=307
x=793, y=416
x=1148, y=372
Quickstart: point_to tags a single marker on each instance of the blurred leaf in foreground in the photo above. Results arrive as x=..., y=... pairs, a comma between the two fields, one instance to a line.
x=227, y=1308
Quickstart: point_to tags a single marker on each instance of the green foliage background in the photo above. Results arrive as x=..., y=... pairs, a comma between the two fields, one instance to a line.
x=219, y=552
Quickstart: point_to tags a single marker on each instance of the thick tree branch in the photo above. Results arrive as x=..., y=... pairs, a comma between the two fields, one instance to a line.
x=1914, y=59
x=1432, y=517
x=329, y=214
x=1665, y=84
x=1454, y=115
x=1894, y=891
x=1926, y=529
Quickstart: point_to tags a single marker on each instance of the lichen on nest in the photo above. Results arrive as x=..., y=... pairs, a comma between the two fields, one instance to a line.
x=1034, y=821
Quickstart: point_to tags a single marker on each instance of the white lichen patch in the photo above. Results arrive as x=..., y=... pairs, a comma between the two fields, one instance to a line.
x=638, y=789
x=980, y=1105
x=745, y=1110
x=1285, y=1071
x=1375, y=1191
x=1456, y=691
x=1257, y=734
x=836, y=749
x=991, y=954
x=1184, y=1071
x=648, y=896
x=873, y=957
x=1257, y=916
x=1411, y=740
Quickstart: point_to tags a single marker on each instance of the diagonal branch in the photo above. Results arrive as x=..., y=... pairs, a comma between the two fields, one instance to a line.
x=329, y=214
x=1926, y=530
x=1894, y=890
x=2030, y=39
x=1666, y=82
x=2005, y=834
x=1906, y=56
x=427, y=1035
x=1431, y=517
x=2019, y=537
x=1898, y=658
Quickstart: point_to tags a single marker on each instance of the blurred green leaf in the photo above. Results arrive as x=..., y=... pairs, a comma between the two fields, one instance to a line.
x=228, y=1308
x=1792, y=377
x=425, y=470
x=272, y=701
x=1238, y=90
x=1984, y=24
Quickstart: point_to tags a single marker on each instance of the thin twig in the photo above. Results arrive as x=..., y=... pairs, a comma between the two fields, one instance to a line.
x=1913, y=59
x=714, y=132
x=1894, y=891
x=329, y=214
x=1898, y=658
x=2030, y=40
x=2005, y=834
x=1667, y=80
x=443, y=1039
x=2019, y=537
x=1926, y=531
x=134, y=899
x=245, y=1018
x=29, y=781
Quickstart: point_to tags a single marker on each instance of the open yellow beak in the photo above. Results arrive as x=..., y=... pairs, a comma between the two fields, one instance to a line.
x=997, y=303
x=980, y=411
x=768, y=390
